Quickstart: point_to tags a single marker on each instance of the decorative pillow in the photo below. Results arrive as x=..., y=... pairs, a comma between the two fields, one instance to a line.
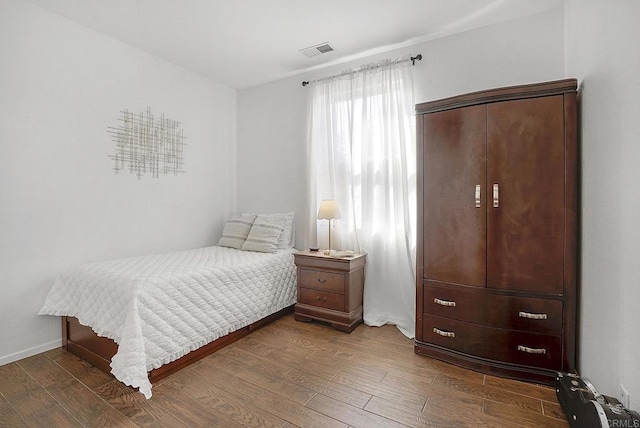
x=236, y=230
x=288, y=236
x=264, y=235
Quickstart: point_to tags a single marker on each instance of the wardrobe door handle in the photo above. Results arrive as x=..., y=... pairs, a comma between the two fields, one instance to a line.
x=443, y=302
x=444, y=333
x=478, y=200
x=531, y=350
x=496, y=195
x=532, y=316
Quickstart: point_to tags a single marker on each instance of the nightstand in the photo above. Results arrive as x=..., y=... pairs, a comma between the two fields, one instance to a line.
x=330, y=289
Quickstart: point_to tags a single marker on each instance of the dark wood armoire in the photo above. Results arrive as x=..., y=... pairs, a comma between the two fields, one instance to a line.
x=497, y=217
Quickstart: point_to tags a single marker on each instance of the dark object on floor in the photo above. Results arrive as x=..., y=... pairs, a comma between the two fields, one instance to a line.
x=585, y=407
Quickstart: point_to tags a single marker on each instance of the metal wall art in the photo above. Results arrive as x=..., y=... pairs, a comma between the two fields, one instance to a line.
x=146, y=144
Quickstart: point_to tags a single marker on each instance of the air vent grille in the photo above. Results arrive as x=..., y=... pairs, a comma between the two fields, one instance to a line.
x=325, y=48
x=322, y=48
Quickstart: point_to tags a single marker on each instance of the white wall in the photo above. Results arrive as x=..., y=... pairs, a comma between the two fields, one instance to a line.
x=272, y=117
x=271, y=150
x=61, y=204
x=602, y=51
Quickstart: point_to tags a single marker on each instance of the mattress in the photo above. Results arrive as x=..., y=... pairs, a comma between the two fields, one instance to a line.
x=159, y=308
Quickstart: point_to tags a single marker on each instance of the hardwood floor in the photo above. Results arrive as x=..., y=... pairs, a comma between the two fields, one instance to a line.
x=286, y=374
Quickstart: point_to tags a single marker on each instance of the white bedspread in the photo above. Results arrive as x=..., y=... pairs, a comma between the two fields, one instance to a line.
x=161, y=307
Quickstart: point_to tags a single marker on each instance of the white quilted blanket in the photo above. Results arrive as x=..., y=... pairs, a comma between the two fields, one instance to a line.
x=161, y=307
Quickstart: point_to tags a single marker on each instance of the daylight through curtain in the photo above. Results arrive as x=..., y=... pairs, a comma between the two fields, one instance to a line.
x=361, y=152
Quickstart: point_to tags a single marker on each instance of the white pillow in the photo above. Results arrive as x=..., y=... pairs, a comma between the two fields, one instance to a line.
x=236, y=230
x=264, y=234
x=288, y=236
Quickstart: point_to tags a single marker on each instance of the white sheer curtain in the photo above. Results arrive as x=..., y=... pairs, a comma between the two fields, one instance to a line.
x=361, y=148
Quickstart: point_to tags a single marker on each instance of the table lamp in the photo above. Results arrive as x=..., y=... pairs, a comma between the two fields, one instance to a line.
x=328, y=210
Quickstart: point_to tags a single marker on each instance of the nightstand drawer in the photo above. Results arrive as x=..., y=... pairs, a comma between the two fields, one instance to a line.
x=321, y=299
x=322, y=280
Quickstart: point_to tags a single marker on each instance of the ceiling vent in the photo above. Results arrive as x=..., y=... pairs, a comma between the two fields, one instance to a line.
x=312, y=51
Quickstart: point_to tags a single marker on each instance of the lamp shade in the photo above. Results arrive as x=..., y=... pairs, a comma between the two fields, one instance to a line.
x=328, y=209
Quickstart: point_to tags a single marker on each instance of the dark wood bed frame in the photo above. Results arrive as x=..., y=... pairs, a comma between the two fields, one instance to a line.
x=86, y=344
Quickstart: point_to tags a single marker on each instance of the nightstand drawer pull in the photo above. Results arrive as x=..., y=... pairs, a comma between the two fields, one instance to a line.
x=531, y=350
x=532, y=316
x=443, y=302
x=321, y=299
x=322, y=281
x=444, y=333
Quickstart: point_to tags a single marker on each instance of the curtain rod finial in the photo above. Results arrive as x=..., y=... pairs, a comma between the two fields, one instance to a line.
x=305, y=83
x=416, y=58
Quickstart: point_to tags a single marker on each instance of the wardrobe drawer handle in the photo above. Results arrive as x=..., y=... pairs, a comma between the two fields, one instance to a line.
x=322, y=281
x=444, y=333
x=444, y=302
x=532, y=316
x=531, y=350
x=321, y=299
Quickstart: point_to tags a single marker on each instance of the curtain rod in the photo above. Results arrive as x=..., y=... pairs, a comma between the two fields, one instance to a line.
x=413, y=60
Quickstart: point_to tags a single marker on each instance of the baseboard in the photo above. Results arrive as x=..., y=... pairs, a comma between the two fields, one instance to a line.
x=6, y=359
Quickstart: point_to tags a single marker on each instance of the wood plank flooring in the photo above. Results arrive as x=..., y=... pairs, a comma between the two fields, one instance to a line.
x=286, y=374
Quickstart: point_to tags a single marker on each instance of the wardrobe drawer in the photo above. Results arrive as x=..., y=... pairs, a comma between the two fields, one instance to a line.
x=321, y=299
x=457, y=304
x=525, y=314
x=453, y=334
x=529, y=349
x=328, y=281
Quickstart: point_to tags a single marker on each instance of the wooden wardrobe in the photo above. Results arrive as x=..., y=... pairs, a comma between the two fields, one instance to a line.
x=497, y=213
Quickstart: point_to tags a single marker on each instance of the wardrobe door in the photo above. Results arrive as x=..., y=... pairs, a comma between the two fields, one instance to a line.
x=454, y=196
x=525, y=224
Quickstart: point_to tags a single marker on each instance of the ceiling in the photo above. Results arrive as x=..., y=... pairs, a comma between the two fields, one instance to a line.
x=243, y=43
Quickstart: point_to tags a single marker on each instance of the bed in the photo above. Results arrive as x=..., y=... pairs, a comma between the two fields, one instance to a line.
x=146, y=317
